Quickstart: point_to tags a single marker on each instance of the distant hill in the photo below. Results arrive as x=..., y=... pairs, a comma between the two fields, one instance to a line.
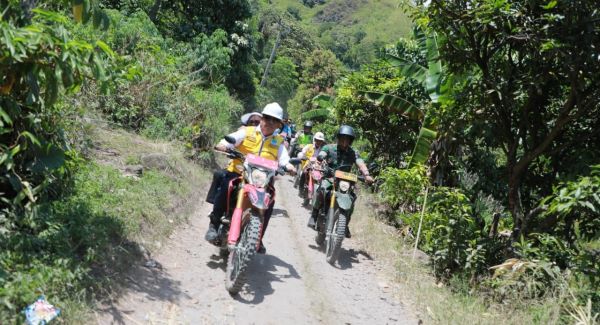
x=352, y=29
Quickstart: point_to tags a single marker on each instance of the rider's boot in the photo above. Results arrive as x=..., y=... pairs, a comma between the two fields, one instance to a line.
x=211, y=233
x=312, y=220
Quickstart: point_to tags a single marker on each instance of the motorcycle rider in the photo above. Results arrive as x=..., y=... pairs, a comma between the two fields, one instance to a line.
x=262, y=140
x=311, y=150
x=303, y=138
x=248, y=119
x=337, y=155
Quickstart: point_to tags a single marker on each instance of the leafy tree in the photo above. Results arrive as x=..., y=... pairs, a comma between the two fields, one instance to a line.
x=283, y=80
x=321, y=69
x=390, y=135
x=535, y=80
x=38, y=59
x=212, y=57
x=184, y=19
x=296, y=42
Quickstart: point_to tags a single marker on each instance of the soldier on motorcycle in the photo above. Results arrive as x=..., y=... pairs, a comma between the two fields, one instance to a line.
x=311, y=150
x=260, y=140
x=336, y=156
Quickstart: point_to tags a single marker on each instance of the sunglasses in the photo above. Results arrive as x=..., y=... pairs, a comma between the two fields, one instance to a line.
x=271, y=119
x=253, y=122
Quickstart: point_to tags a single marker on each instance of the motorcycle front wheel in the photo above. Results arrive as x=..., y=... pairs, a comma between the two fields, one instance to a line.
x=241, y=255
x=336, y=232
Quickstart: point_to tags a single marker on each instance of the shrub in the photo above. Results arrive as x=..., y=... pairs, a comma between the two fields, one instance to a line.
x=403, y=188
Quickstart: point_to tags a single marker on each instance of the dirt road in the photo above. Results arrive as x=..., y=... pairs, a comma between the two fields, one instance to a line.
x=291, y=284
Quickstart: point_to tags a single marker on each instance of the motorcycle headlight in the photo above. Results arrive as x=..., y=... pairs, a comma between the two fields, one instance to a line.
x=259, y=178
x=344, y=186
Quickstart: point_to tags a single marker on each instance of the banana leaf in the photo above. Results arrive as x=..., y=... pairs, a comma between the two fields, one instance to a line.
x=421, y=151
x=316, y=113
x=395, y=104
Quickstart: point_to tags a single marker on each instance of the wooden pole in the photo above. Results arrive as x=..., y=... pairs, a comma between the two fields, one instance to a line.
x=420, y=223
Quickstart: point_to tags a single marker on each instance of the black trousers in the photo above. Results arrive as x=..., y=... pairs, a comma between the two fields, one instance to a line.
x=218, y=194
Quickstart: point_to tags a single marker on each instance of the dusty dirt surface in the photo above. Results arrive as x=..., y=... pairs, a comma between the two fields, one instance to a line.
x=292, y=283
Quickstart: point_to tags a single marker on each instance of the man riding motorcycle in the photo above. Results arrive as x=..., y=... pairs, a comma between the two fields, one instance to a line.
x=260, y=140
x=311, y=150
x=302, y=138
x=336, y=156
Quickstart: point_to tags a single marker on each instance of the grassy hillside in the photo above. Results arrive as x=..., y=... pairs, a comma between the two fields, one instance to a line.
x=352, y=28
x=126, y=197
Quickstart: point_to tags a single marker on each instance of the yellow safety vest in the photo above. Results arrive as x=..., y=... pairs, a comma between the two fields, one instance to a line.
x=309, y=153
x=255, y=143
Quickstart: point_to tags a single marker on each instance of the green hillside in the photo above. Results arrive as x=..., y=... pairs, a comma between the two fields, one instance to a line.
x=352, y=29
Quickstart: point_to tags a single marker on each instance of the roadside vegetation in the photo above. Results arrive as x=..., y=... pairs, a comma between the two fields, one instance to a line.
x=482, y=117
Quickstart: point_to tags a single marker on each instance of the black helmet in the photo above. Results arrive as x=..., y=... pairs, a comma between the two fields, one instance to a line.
x=346, y=130
x=308, y=124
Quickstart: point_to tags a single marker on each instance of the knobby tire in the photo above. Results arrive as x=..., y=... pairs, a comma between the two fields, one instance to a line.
x=337, y=233
x=241, y=255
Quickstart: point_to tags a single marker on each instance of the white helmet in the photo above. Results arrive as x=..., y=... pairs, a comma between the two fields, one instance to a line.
x=273, y=110
x=319, y=136
x=244, y=119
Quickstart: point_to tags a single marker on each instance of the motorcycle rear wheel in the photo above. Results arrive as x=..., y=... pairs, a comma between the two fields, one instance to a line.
x=337, y=233
x=241, y=255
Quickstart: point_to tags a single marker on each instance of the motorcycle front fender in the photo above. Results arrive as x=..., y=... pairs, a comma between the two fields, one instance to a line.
x=259, y=198
x=344, y=201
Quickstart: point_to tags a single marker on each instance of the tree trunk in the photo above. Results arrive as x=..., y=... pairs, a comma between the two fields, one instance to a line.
x=514, y=199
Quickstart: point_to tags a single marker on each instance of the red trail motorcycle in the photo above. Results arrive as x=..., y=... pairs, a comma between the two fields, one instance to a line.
x=248, y=199
x=312, y=176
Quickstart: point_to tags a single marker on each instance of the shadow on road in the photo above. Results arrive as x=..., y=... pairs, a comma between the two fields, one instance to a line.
x=217, y=262
x=317, y=248
x=280, y=213
x=262, y=272
x=150, y=279
x=351, y=256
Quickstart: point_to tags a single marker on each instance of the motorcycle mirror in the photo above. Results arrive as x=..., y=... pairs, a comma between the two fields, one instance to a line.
x=229, y=139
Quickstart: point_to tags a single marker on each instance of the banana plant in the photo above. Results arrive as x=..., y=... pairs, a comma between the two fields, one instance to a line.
x=430, y=77
x=86, y=10
x=323, y=104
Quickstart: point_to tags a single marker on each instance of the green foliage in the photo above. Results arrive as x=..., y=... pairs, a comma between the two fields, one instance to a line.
x=321, y=70
x=403, y=189
x=37, y=62
x=212, y=57
x=575, y=203
x=390, y=126
x=450, y=232
x=163, y=95
x=78, y=242
x=185, y=19
x=281, y=82
x=353, y=30
x=520, y=95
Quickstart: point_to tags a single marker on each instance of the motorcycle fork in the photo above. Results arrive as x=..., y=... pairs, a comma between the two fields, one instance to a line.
x=331, y=211
x=236, y=219
x=311, y=186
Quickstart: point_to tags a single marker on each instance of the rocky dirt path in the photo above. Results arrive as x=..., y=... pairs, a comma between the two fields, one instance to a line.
x=291, y=284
